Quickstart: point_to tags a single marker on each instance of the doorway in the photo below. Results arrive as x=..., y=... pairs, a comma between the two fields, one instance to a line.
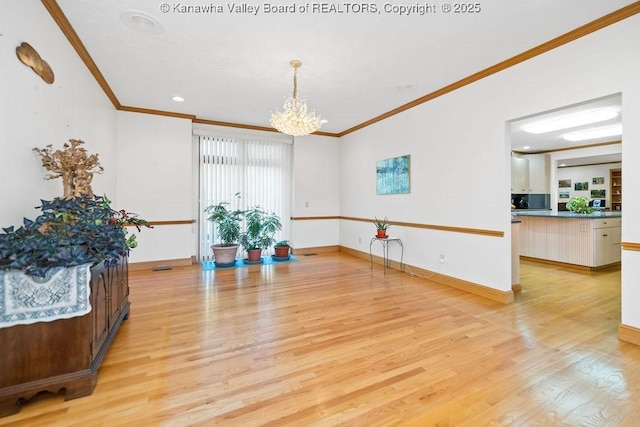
x=545, y=163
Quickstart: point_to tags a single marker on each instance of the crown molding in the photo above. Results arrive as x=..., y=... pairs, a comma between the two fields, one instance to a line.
x=605, y=21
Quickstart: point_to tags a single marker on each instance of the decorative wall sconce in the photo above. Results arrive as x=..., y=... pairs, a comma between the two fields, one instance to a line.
x=29, y=57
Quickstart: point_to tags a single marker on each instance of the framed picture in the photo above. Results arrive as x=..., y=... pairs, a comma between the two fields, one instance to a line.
x=564, y=183
x=393, y=175
x=597, y=180
x=563, y=195
x=598, y=194
x=581, y=186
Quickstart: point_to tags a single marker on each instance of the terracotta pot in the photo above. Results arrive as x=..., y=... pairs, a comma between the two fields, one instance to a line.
x=224, y=256
x=382, y=233
x=253, y=255
x=281, y=251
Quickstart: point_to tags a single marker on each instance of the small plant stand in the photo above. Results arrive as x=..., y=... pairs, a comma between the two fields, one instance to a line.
x=384, y=241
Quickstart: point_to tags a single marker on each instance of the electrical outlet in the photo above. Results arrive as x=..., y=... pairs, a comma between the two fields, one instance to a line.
x=442, y=259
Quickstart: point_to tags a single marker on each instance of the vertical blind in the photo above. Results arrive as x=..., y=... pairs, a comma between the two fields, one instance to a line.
x=260, y=171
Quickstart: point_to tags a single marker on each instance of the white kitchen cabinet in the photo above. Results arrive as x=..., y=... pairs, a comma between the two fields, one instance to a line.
x=539, y=173
x=606, y=241
x=530, y=174
x=585, y=241
x=519, y=175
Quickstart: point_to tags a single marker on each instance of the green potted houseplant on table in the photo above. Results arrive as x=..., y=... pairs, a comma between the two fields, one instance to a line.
x=282, y=249
x=227, y=222
x=260, y=229
x=382, y=225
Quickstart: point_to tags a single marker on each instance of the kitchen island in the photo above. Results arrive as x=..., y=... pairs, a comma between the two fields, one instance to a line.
x=584, y=240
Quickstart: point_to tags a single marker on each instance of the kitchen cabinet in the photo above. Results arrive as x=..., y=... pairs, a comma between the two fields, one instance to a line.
x=530, y=174
x=539, y=173
x=64, y=354
x=571, y=239
x=519, y=175
x=606, y=241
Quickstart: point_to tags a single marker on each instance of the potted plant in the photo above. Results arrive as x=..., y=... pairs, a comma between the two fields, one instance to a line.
x=282, y=249
x=260, y=229
x=381, y=227
x=579, y=205
x=69, y=232
x=227, y=222
x=63, y=295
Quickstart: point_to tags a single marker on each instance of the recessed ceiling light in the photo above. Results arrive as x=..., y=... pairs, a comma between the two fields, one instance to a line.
x=571, y=120
x=562, y=165
x=526, y=147
x=141, y=21
x=614, y=130
x=178, y=98
x=323, y=121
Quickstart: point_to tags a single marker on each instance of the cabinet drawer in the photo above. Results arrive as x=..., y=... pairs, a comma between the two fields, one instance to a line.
x=607, y=222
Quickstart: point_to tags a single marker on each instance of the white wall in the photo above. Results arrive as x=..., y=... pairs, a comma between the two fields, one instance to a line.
x=452, y=145
x=316, y=190
x=571, y=173
x=35, y=114
x=585, y=174
x=155, y=180
x=460, y=158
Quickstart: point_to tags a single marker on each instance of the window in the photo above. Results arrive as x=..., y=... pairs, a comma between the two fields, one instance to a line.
x=259, y=170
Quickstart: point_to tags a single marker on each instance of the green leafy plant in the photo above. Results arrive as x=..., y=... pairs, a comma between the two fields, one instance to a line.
x=381, y=224
x=227, y=221
x=68, y=232
x=260, y=229
x=282, y=244
x=579, y=205
x=123, y=219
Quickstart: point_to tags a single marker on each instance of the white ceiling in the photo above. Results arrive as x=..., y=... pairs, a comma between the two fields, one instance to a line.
x=234, y=67
x=554, y=141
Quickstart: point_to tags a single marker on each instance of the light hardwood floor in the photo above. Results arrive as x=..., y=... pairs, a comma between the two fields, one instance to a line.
x=325, y=341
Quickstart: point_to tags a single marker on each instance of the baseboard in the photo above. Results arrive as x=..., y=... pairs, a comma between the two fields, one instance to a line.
x=504, y=297
x=564, y=264
x=368, y=257
x=314, y=250
x=629, y=334
x=164, y=264
x=516, y=287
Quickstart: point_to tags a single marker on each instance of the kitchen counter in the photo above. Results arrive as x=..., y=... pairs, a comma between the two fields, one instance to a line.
x=567, y=214
x=586, y=240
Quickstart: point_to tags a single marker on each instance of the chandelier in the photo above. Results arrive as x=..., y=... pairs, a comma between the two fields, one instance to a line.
x=294, y=119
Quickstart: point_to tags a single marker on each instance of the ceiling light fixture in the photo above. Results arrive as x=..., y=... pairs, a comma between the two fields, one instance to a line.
x=614, y=130
x=141, y=21
x=294, y=119
x=178, y=98
x=571, y=120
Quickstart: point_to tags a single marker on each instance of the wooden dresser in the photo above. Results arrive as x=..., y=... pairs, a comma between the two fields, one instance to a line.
x=64, y=355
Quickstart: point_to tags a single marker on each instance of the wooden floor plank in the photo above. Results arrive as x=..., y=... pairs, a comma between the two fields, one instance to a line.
x=326, y=341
